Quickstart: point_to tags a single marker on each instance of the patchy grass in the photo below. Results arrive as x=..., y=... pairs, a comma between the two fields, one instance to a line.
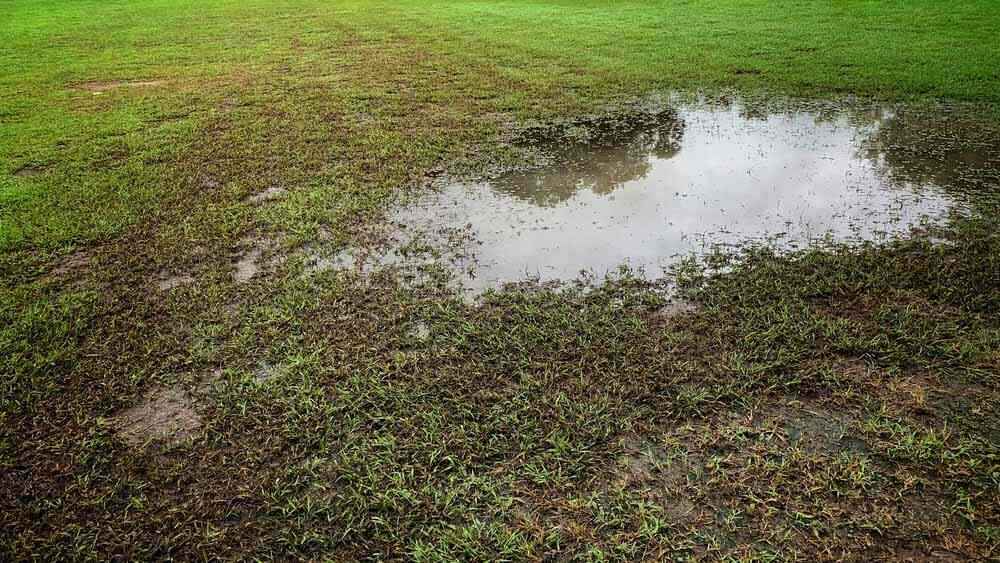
x=164, y=163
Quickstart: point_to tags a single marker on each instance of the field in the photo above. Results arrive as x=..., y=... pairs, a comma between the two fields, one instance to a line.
x=832, y=403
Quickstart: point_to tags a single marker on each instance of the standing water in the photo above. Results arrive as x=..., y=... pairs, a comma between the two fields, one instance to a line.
x=682, y=182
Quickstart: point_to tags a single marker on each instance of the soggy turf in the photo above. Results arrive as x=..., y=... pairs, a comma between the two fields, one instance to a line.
x=834, y=403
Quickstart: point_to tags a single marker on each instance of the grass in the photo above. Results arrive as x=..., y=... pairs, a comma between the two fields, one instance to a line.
x=833, y=403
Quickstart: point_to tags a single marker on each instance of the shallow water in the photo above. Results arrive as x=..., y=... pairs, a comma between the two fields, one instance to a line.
x=683, y=182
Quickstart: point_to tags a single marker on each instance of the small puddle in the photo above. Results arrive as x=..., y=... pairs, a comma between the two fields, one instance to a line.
x=685, y=181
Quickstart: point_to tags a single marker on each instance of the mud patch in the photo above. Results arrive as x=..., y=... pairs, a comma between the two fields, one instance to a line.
x=165, y=414
x=274, y=192
x=413, y=261
x=254, y=260
x=674, y=309
x=682, y=511
x=343, y=260
x=347, y=259
x=71, y=265
x=166, y=281
x=29, y=170
x=646, y=462
x=100, y=87
x=820, y=431
x=668, y=478
x=246, y=266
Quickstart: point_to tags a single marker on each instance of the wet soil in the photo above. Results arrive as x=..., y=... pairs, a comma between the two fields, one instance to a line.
x=70, y=265
x=246, y=266
x=257, y=256
x=165, y=414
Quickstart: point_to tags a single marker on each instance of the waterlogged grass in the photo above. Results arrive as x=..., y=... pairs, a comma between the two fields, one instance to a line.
x=837, y=403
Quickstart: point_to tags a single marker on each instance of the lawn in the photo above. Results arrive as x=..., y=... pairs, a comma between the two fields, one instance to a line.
x=835, y=403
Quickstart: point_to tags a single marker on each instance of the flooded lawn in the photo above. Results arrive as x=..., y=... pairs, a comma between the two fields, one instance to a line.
x=671, y=183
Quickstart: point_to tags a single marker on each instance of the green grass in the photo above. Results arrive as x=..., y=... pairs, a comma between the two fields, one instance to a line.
x=106, y=156
x=833, y=403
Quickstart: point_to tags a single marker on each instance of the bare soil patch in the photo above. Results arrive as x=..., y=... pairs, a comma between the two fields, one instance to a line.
x=674, y=309
x=166, y=281
x=165, y=414
x=273, y=192
x=70, y=264
x=246, y=266
x=99, y=87
x=251, y=261
x=29, y=170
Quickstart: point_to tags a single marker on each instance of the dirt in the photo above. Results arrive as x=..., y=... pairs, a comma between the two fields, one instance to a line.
x=70, y=265
x=681, y=511
x=99, y=87
x=273, y=192
x=821, y=431
x=646, y=462
x=420, y=332
x=166, y=282
x=246, y=266
x=811, y=427
x=675, y=308
x=258, y=254
x=29, y=170
x=166, y=413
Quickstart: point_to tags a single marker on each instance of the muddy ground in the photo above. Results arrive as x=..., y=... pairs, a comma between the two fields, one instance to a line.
x=215, y=343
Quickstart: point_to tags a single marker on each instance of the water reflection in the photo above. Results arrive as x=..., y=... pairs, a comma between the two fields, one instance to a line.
x=601, y=165
x=701, y=176
x=943, y=149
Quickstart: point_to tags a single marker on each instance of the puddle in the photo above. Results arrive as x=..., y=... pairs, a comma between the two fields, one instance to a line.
x=648, y=192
